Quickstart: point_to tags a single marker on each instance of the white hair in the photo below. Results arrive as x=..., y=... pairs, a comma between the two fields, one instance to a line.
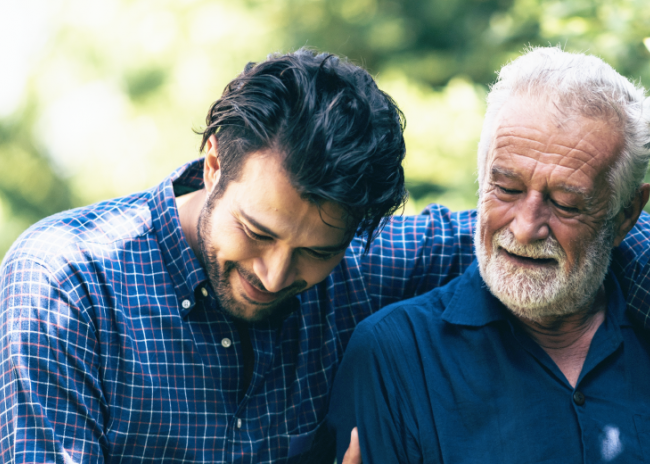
x=585, y=85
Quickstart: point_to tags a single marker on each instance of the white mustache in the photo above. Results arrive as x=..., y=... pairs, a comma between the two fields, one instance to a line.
x=548, y=249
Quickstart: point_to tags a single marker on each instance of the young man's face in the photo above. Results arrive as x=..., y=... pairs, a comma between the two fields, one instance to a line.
x=260, y=242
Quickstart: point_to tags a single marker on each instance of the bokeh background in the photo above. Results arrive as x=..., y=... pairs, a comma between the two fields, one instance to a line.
x=99, y=98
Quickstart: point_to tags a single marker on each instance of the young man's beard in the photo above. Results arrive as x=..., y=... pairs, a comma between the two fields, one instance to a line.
x=219, y=277
x=552, y=290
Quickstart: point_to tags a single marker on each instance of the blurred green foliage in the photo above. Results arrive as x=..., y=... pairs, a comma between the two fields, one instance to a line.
x=99, y=99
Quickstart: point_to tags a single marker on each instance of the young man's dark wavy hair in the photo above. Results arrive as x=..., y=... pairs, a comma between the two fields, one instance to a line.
x=339, y=135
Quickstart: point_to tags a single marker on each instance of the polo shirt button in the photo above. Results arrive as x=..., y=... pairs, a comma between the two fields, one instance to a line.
x=579, y=398
x=204, y=291
x=225, y=342
x=239, y=423
x=186, y=304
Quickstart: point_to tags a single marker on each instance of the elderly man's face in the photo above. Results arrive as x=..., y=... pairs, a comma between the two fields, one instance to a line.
x=543, y=239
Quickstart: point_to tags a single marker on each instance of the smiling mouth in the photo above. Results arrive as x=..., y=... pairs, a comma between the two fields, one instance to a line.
x=528, y=261
x=256, y=295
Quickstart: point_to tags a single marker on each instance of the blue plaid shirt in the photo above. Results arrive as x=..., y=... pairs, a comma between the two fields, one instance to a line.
x=113, y=349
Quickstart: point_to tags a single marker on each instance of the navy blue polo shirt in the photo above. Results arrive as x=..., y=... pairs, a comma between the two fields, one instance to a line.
x=451, y=377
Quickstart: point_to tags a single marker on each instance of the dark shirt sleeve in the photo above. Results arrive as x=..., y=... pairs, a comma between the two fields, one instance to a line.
x=368, y=395
x=50, y=396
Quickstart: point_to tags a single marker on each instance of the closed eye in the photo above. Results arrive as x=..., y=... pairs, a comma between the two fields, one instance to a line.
x=257, y=237
x=320, y=256
x=568, y=209
x=507, y=191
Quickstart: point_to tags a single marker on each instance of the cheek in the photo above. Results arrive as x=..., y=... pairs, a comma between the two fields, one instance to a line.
x=571, y=241
x=232, y=245
x=314, y=272
x=495, y=215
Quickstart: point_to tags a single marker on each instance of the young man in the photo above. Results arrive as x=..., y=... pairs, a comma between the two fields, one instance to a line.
x=185, y=323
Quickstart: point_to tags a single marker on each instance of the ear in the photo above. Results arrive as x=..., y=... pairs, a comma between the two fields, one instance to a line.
x=627, y=217
x=211, y=168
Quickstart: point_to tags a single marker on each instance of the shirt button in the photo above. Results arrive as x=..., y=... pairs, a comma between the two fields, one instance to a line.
x=239, y=423
x=579, y=398
x=204, y=291
x=225, y=342
x=186, y=304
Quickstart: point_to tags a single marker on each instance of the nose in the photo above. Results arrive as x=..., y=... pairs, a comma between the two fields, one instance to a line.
x=275, y=269
x=530, y=223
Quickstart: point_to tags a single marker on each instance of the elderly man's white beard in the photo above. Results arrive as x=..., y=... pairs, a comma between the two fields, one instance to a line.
x=549, y=290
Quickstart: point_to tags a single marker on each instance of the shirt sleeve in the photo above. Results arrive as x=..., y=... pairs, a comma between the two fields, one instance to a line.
x=367, y=394
x=414, y=254
x=50, y=397
x=631, y=263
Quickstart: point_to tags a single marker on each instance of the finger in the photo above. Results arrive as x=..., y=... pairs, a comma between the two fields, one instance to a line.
x=353, y=454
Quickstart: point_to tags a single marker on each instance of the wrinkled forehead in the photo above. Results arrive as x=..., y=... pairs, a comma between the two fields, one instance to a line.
x=533, y=129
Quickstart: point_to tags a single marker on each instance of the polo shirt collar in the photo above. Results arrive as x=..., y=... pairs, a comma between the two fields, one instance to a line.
x=616, y=304
x=472, y=304
x=182, y=265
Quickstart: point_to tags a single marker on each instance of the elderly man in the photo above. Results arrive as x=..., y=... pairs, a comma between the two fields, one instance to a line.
x=529, y=356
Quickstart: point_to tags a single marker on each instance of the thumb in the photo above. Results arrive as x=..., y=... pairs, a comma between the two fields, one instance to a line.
x=353, y=454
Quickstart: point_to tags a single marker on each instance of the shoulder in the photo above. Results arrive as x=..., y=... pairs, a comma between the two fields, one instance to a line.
x=635, y=245
x=435, y=221
x=631, y=263
x=68, y=234
x=407, y=321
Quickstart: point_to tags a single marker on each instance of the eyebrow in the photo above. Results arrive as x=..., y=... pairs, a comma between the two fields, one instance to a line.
x=498, y=170
x=259, y=226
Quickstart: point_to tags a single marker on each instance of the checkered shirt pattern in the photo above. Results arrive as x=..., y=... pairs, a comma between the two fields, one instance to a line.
x=113, y=348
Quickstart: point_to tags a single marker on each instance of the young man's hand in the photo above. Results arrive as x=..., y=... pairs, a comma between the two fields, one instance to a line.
x=353, y=454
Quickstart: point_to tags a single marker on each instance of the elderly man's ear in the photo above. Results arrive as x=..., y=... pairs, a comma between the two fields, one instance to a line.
x=627, y=217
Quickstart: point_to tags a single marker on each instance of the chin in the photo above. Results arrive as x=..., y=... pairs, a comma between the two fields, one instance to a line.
x=547, y=291
x=248, y=313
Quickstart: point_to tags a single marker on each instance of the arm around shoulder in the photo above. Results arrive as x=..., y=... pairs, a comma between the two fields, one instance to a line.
x=631, y=262
x=414, y=254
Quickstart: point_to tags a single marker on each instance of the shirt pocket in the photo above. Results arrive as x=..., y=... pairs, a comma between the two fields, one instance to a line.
x=319, y=441
x=642, y=424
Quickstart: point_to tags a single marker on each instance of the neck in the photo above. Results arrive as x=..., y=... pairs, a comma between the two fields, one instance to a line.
x=189, y=209
x=566, y=339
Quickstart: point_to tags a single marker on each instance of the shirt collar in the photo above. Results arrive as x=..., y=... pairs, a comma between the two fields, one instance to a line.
x=182, y=265
x=472, y=303
x=616, y=304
